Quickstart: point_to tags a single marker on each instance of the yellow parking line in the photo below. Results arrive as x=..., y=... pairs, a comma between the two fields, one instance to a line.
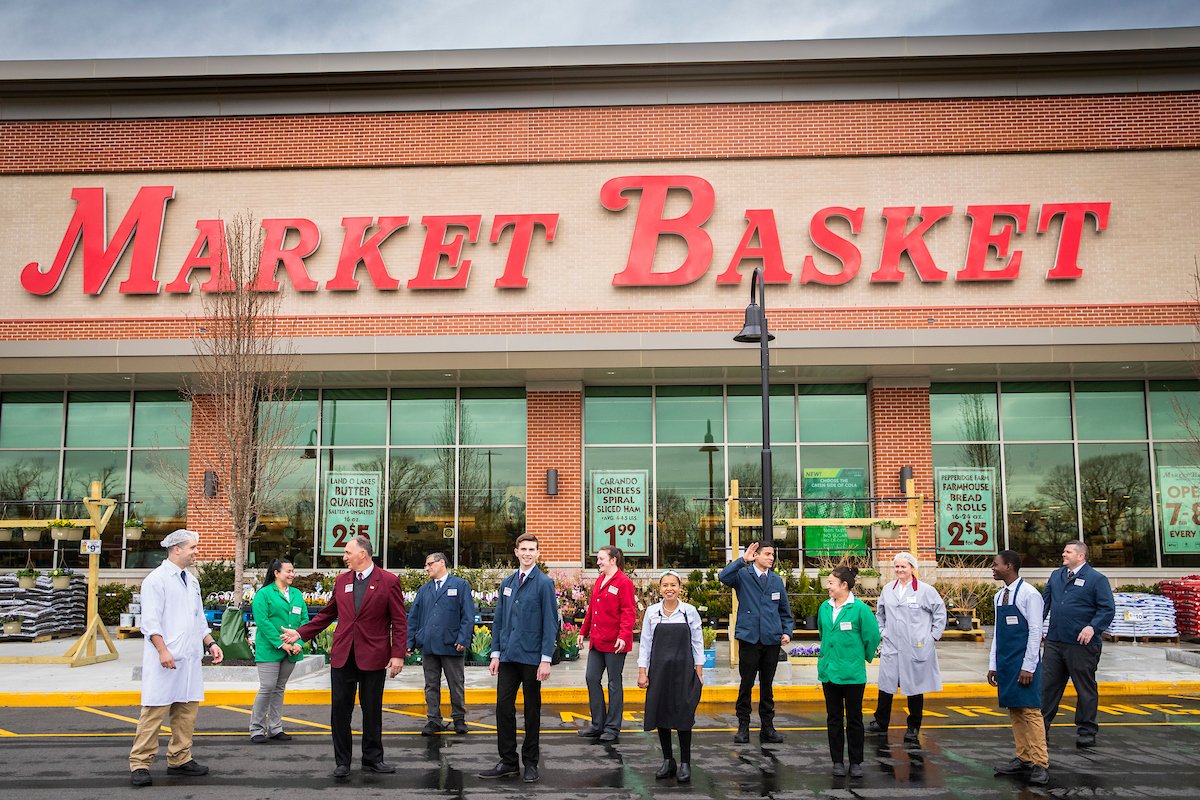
x=285, y=719
x=111, y=715
x=6, y=733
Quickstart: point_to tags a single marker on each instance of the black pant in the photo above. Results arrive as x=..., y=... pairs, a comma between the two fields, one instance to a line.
x=1063, y=660
x=757, y=661
x=847, y=697
x=605, y=719
x=513, y=676
x=685, y=745
x=883, y=710
x=369, y=685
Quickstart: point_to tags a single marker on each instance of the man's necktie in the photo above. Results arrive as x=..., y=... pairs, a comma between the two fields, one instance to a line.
x=437, y=587
x=1070, y=575
x=1004, y=600
x=183, y=577
x=762, y=581
x=521, y=580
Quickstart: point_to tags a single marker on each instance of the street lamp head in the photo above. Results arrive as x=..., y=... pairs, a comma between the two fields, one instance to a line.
x=752, y=329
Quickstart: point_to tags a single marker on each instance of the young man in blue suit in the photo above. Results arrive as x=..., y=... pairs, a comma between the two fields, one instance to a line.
x=523, y=638
x=440, y=623
x=1080, y=603
x=764, y=625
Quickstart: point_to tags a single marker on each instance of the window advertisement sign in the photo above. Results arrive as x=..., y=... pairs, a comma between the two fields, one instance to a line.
x=618, y=501
x=966, y=509
x=352, y=508
x=831, y=540
x=1179, y=493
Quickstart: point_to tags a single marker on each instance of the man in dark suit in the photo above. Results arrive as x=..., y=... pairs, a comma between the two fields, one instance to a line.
x=440, y=622
x=368, y=643
x=523, y=638
x=1080, y=603
x=764, y=625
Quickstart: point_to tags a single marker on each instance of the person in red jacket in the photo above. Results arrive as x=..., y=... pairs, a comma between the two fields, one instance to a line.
x=609, y=622
x=369, y=642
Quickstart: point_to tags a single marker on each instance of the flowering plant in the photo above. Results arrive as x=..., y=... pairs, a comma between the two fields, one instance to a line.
x=802, y=651
x=568, y=637
x=481, y=641
x=485, y=599
x=61, y=572
x=61, y=523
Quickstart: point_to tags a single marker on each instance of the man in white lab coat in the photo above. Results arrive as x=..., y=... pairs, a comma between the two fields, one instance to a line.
x=176, y=638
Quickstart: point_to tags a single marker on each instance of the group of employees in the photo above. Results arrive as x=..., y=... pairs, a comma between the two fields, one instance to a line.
x=374, y=632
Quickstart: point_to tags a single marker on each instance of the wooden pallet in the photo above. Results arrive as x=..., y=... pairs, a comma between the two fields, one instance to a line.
x=1109, y=637
x=128, y=633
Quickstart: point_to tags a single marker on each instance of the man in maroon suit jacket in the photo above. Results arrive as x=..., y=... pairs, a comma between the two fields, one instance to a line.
x=369, y=641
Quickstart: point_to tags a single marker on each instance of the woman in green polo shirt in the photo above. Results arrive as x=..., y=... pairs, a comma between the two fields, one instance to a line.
x=849, y=636
x=276, y=605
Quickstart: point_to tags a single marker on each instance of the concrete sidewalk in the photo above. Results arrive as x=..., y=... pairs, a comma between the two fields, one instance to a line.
x=1125, y=669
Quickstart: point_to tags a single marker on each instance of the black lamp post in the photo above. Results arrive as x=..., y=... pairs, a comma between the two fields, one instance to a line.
x=755, y=330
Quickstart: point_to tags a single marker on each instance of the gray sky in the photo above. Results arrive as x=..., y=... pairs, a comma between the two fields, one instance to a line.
x=51, y=29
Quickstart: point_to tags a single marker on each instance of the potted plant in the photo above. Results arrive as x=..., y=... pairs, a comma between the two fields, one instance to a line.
x=779, y=529
x=568, y=640
x=65, y=530
x=134, y=527
x=961, y=597
x=413, y=658
x=6, y=534
x=12, y=624
x=854, y=531
x=868, y=579
x=709, y=634
x=808, y=607
x=27, y=578
x=60, y=577
x=804, y=655
x=480, y=653
x=323, y=641
x=885, y=529
x=32, y=534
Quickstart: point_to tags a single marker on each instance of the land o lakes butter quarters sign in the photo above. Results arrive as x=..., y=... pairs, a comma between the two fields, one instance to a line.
x=966, y=509
x=618, y=503
x=351, y=508
x=1179, y=490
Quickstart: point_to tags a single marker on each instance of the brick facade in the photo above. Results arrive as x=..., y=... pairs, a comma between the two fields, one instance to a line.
x=901, y=437
x=555, y=441
x=207, y=516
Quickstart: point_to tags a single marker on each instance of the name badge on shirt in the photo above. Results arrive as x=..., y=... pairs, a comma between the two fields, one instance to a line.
x=912, y=604
x=1079, y=581
x=296, y=610
x=612, y=590
x=774, y=595
x=452, y=593
x=847, y=626
x=1012, y=621
x=508, y=591
x=349, y=588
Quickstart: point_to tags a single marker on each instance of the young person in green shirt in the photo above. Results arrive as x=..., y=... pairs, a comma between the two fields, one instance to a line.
x=276, y=605
x=849, y=636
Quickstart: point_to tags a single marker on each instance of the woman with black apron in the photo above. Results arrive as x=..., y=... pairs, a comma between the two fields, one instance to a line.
x=670, y=669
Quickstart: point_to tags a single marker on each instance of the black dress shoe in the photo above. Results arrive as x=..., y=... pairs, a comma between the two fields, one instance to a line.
x=531, y=774
x=460, y=727
x=912, y=736
x=341, y=772
x=770, y=736
x=501, y=770
x=684, y=774
x=258, y=738
x=1014, y=767
x=743, y=735
x=856, y=771
x=874, y=727
x=666, y=770
x=589, y=733
x=382, y=767
x=282, y=737
x=431, y=728
x=141, y=777
x=1039, y=776
x=839, y=770
x=608, y=737
x=1086, y=740
x=191, y=770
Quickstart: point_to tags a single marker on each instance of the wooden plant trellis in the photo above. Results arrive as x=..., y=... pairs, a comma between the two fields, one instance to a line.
x=83, y=652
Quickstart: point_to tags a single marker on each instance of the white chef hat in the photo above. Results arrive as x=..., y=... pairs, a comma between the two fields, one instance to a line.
x=905, y=556
x=181, y=536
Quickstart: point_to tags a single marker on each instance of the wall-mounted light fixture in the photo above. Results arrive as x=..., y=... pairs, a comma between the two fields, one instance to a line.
x=210, y=483
x=551, y=482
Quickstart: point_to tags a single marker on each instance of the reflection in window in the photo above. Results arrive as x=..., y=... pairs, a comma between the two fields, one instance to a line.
x=1118, y=524
x=420, y=505
x=1110, y=410
x=1040, y=489
x=287, y=525
x=1036, y=411
x=964, y=412
x=491, y=490
x=27, y=475
x=154, y=481
x=687, y=535
x=80, y=468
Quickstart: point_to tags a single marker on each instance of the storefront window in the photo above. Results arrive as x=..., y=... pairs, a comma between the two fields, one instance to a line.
x=1031, y=412
x=31, y=420
x=423, y=417
x=27, y=475
x=688, y=413
x=288, y=522
x=744, y=406
x=491, y=490
x=1040, y=489
x=80, y=468
x=421, y=503
x=833, y=413
x=492, y=416
x=1107, y=410
x=1174, y=513
x=1175, y=409
x=619, y=459
x=686, y=535
x=98, y=419
x=353, y=417
x=963, y=412
x=617, y=415
x=154, y=491
x=1118, y=521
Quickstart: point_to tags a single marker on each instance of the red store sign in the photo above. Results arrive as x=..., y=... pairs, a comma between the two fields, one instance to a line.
x=990, y=254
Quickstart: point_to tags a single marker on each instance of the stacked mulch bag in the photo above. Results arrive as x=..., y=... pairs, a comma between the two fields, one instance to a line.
x=1140, y=614
x=43, y=610
x=1185, y=594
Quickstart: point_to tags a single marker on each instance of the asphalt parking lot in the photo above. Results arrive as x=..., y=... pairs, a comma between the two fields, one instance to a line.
x=1149, y=747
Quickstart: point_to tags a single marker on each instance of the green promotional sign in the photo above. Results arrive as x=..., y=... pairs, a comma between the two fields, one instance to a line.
x=966, y=509
x=618, y=499
x=1179, y=490
x=351, y=508
x=831, y=540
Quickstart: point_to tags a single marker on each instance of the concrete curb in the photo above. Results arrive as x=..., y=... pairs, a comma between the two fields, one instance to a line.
x=557, y=695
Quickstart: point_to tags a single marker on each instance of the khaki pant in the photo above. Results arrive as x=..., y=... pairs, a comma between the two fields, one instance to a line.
x=1029, y=731
x=145, y=743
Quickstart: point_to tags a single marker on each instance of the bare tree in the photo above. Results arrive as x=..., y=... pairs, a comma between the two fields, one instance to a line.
x=241, y=385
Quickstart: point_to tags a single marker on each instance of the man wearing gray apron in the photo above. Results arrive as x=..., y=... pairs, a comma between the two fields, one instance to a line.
x=1015, y=668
